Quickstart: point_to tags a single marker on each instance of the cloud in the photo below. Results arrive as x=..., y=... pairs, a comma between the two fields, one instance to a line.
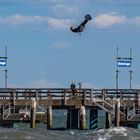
x=136, y=20
x=88, y=85
x=57, y=2
x=46, y=1
x=106, y=20
x=42, y=84
x=20, y=20
x=36, y=84
x=54, y=23
x=103, y=20
x=65, y=10
x=117, y=2
x=125, y=1
x=33, y=2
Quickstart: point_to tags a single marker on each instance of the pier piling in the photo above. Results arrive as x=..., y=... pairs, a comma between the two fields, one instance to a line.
x=82, y=118
x=117, y=113
x=33, y=114
x=49, y=117
x=108, y=120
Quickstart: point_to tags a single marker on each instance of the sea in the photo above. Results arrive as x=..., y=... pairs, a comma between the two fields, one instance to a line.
x=119, y=133
x=22, y=131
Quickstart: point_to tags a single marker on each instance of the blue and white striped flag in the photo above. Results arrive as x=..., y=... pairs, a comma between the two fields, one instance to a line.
x=2, y=62
x=124, y=63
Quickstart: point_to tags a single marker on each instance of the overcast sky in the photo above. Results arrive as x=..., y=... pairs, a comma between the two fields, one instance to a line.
x=43, y=52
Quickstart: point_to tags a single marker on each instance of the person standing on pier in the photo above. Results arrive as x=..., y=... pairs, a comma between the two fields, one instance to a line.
x=80, y=86
x=73, y=88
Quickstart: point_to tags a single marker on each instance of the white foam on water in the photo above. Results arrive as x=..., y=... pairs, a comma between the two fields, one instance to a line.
x=72, y=132
x=120, y=129
x=101, y=130
x=4, y=137
x=107, y=135
x=101, y=138
x=120, y=133
x=28, y=137
x=125, y=134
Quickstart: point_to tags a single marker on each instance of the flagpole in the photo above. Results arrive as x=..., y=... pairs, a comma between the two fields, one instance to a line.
x=117, y=71
x=6, y=77
x=6, y=71
x=130, y=79
x=130, y=69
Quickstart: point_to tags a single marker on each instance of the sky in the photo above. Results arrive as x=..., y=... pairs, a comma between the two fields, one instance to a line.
x=44, y=53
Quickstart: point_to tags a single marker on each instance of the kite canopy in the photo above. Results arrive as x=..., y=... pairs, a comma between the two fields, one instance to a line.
x=81, y=27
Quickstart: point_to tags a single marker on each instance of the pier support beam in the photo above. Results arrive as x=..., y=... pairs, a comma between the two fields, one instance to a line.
x=137, y=102
x=108, y=121
x=37, y=94
x=117, y=113
x=126, y=113
x=12, y=101
x=82, y=118
x=72, y=119
x=49, y=117
x=93, y=119
x=1, y=110
x=33, y=114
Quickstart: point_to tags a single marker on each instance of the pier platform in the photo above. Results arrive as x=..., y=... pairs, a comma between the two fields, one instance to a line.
x=120, y=105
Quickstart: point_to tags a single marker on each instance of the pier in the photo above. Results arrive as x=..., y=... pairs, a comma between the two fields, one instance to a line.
x=121, y=106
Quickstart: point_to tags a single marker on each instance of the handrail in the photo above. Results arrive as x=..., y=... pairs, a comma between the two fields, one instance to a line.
x=25, y=106
x=22, y=93
x=103, y=108
x=6, y=111
x=106, y=109
x=42, y=108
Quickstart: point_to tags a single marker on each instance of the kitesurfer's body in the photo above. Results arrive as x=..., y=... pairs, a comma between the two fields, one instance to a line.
x=81, y=27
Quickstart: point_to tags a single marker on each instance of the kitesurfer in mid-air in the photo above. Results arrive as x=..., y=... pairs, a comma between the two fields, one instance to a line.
x=81, y=27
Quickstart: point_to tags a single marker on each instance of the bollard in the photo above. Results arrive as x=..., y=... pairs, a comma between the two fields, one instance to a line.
x=33, y=114
x=117, y=113
x=82, y=118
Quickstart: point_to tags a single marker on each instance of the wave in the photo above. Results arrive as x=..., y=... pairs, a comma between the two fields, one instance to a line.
x=120, y=133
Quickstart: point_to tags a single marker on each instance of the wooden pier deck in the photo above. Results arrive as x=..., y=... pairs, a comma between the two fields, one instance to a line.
x=15, y=103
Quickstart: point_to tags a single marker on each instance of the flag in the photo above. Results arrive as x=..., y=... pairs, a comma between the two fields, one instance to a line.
x=124, y=63
x=2, y=62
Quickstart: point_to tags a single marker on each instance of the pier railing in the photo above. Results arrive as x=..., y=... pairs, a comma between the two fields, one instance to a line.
x=87, y=95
